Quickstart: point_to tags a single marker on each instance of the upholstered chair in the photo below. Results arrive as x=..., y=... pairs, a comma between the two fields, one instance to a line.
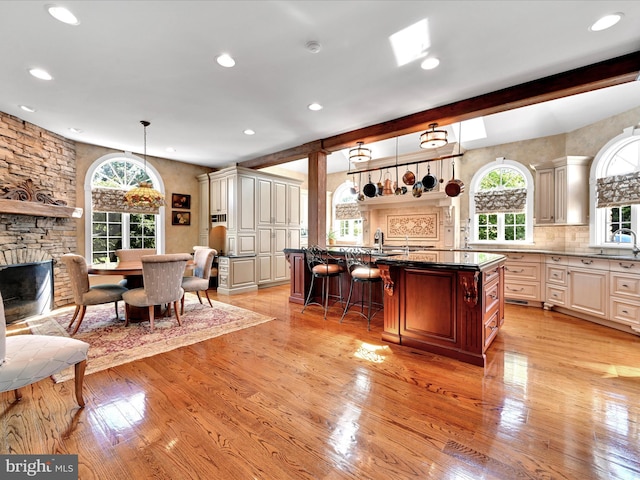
x=132, y=255
x=162, y=277
x=27, y=359
x=199, y=281
x=85, y=295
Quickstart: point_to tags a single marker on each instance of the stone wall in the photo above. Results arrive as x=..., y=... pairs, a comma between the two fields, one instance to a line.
x=30, y=152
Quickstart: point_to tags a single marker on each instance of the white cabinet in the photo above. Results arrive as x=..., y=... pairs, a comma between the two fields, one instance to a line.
x=624, y=284
x=588, y=285
x=218, y=195
x=522, y=278
x=236, y=275
x=272, y=202
x=556, y=281
x=562, y=191
x=203, y=217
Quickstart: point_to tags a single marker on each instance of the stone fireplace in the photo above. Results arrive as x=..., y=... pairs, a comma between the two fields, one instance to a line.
x=31, y=233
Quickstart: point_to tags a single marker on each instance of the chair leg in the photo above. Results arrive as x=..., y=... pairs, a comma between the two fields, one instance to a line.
x=117, y=314
x=206, y=293
x=17, y=394
x=306, y=302
x=83, y=309
x=346, y=307
x=182, y=304
x=126, y=314
x=199, y=299
x=175, y=304
x=79, y=373
x=75, y=315
x=152, y=315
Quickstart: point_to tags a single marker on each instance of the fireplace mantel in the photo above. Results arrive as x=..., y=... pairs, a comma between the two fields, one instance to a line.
x=19, y=207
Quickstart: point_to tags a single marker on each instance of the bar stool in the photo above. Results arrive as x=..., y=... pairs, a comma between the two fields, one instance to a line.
x=323, y=267
x=363, y=273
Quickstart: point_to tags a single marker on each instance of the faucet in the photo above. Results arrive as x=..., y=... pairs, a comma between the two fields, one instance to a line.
x=628, y=231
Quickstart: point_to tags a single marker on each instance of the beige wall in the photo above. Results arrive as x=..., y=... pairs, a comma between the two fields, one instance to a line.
x=178, y=177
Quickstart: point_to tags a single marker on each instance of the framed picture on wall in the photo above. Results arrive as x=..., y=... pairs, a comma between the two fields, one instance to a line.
x=181, y=200
x=180, y=218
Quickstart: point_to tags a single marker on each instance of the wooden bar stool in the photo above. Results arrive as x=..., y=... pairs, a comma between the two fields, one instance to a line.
x=364, y=273
x=323, y=267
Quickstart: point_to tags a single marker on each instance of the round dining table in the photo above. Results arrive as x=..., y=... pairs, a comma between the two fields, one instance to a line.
x=132, y=271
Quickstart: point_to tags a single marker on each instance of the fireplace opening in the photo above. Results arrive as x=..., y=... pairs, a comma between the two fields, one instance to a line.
x=27, y=289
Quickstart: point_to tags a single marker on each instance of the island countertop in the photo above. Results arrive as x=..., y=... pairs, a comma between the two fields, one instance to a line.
x=443, y=259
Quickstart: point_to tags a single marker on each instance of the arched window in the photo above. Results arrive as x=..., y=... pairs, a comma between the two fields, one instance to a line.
x=501, y=203
x=114, y=226
x=347, y=222
x=615, y=190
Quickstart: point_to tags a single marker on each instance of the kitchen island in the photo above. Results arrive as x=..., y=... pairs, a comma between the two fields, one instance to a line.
x=445, y=302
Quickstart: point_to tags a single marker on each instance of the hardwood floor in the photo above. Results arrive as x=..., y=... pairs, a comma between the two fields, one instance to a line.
x=305, y=398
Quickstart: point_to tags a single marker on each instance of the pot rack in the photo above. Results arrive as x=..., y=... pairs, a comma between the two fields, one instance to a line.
x=386, y=167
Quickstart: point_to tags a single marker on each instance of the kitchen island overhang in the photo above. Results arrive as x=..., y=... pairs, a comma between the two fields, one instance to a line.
x=446, y=302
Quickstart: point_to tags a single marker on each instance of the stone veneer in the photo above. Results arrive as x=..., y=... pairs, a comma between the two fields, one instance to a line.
x=30, y=152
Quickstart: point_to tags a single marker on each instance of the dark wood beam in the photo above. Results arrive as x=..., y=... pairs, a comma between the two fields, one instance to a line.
x=284, y=156
x=615, y=71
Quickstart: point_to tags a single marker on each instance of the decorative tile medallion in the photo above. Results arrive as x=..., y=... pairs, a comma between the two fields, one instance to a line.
x=414, y=226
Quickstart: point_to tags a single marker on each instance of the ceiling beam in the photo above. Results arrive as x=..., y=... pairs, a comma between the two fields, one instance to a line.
x=615, y=71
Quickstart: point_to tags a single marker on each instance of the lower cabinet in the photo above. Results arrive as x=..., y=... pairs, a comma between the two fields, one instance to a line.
x=236, y=275
x=624, y=290
x=588, y=285
x=522, y=278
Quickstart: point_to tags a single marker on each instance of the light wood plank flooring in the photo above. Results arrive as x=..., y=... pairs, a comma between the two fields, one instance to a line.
x=305, y=398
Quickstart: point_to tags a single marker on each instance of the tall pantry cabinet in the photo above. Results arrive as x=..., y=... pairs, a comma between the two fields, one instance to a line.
x=261, y=213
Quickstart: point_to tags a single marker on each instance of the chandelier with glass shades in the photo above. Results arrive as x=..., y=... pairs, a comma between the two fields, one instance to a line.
x=144, y=195
x=360, y=153
x=433, y=138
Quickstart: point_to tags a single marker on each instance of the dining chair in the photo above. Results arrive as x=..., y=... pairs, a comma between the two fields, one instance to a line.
x=323, y=267
x=84, y=294
x=27, y=359
x=364, y=273
x=132, y=255
x=162, y=277
x=199, y=281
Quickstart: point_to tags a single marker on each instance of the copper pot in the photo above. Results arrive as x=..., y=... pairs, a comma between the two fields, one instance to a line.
x=409, y=178
x=454, y=187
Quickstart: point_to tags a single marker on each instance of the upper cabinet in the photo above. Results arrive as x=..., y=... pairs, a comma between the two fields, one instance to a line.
x=562, y=191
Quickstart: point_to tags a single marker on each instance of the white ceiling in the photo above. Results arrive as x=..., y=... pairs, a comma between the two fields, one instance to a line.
x=155, y=60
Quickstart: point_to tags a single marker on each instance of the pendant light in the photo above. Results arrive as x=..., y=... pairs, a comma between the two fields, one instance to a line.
x=433, y=138
x=360, y=153
x=144, y=195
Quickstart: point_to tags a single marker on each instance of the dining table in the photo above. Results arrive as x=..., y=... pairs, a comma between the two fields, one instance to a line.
x=132, y=271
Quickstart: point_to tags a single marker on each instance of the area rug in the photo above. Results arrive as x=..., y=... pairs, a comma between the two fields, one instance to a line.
x=112, y=344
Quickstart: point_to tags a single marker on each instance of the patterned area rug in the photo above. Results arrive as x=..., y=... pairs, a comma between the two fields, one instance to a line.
x=112, y=344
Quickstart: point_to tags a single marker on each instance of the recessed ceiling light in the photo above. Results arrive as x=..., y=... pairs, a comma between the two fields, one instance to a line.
x=76, y=130
x=225, y=60
x=248, y=131
x=605, y=22
x=430, y=63
x=314, y=107
x=41, y=74
x=62, y=14
x=27, y=108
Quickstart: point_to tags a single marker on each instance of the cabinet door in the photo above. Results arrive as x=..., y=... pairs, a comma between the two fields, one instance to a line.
x=560, y=189
x=218, y=196
x=545, y=195
x=279, y=203
x=264, y=201
x=293, y=203
x=246, y=203
x=588, y=291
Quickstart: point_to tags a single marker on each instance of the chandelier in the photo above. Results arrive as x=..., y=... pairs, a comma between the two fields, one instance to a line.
x=360, y=153
x=144, y=195
x=433, y=138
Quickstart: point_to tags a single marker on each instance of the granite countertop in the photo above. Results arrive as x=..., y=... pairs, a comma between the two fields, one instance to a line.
x=444, y=259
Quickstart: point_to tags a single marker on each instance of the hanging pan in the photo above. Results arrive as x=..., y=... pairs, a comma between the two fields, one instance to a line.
x=429, y=181
x=369, y=189
x=454, y=187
